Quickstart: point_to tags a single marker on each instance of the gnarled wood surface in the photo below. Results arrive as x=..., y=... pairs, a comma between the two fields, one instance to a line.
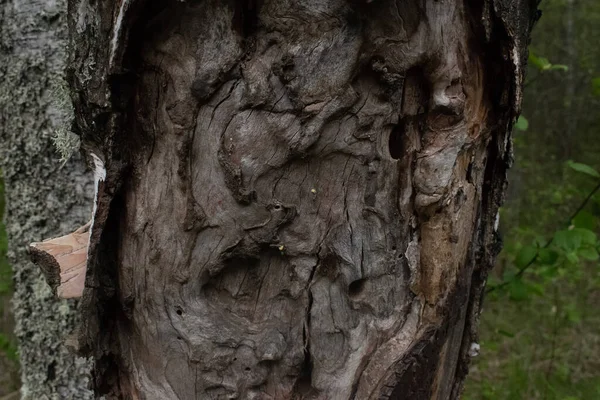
x=300, y=195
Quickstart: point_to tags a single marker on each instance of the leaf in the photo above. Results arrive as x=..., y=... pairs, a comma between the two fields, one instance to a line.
x=548, y=273
x=572, y=257
x=506, y=333
x=547, y=256
x=568, y=240
x=540, y=63
x=535, y=288
x=543, y=64
x=525, y=256
x=522, y=124
x=587, y=236
x=583, y=168
x=585, y=220
x=518, y=290
x=589, y=253
x=558, y=67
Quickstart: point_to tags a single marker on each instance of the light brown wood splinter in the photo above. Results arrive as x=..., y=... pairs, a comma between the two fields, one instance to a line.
x=63, y=261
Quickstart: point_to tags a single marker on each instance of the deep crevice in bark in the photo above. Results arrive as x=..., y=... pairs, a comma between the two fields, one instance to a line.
x=397, y=141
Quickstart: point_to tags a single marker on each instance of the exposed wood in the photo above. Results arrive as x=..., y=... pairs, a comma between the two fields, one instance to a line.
x=63, y=261
x=300, y=197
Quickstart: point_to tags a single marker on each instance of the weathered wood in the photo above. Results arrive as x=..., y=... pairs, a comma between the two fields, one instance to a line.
x=300, y=197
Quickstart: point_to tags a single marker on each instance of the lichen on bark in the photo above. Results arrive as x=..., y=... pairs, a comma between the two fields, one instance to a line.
x=43, y=197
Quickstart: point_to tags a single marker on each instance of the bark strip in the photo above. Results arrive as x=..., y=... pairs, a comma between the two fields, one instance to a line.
x=63, y=261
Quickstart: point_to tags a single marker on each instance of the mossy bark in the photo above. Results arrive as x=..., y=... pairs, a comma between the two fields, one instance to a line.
x=43, y=197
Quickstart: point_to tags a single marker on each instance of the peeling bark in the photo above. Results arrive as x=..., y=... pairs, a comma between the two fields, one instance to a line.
x=63, y=261
x=300, y=197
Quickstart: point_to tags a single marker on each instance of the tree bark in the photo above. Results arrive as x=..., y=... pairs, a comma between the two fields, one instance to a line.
x=43, y=197
x=300, y=198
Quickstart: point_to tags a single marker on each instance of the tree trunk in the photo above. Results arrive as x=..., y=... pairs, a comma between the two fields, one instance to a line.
x=300, y=198
x=43, y=197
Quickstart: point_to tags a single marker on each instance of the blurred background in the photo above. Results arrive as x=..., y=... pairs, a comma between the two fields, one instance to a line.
x=540, y=329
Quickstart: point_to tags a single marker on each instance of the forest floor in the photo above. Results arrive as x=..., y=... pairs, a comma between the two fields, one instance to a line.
x=539, y=348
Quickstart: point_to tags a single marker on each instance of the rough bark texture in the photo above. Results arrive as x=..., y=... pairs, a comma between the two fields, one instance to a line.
x=42, y=198
x=300, y=196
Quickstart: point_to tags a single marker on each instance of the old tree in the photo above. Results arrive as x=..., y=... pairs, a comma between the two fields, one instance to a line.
x=295, y=199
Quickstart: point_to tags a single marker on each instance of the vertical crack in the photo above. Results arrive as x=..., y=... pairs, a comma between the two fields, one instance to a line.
x=304, y=383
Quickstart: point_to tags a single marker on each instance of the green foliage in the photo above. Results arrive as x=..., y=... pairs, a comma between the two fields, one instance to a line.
x=535, y=265
x=583, y=168
x=540, y=326
x=526, y=256
x=543, y=64
x=522, y=124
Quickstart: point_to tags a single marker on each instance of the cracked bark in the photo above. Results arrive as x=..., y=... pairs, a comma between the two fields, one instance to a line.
x=300, y=197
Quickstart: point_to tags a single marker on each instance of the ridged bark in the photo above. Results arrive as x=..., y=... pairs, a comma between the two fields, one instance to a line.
x=300, y=197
